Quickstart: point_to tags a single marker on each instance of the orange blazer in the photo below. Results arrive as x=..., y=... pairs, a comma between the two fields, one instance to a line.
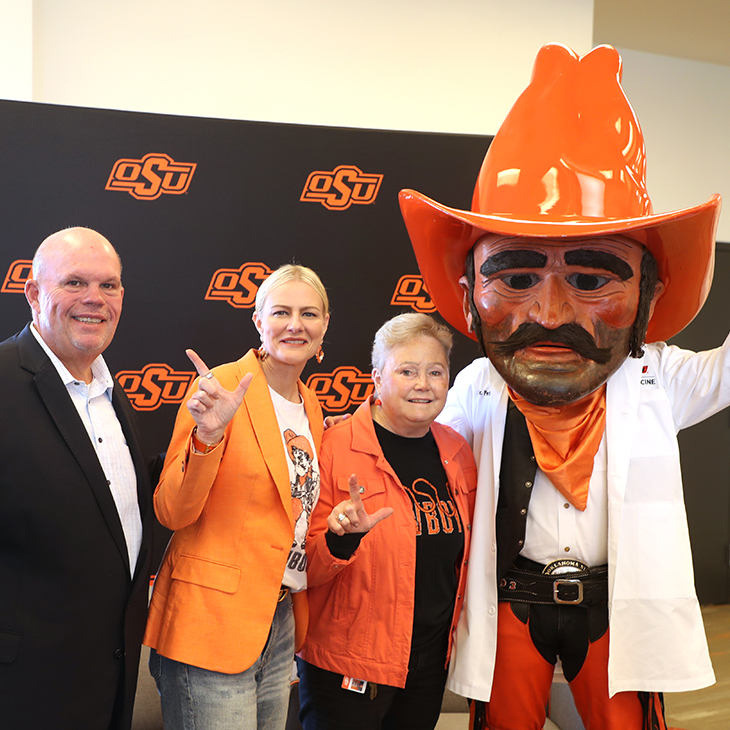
x=216, y=592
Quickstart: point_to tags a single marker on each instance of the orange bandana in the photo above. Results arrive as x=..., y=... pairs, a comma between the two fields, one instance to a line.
x=565, y=440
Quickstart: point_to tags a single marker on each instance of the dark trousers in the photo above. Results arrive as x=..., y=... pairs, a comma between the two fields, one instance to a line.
x=325, y=705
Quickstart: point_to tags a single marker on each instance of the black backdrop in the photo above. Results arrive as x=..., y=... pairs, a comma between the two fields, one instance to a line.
x=200, y=210
x=192, y=260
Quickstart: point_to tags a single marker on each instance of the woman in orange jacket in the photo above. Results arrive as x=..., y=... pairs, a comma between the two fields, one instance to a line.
x=388, y=545
x=238, y=486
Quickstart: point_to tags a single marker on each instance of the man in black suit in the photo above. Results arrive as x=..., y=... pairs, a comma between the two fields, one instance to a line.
x=75, y=502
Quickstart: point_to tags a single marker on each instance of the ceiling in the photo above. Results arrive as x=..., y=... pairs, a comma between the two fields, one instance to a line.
x=697, y=29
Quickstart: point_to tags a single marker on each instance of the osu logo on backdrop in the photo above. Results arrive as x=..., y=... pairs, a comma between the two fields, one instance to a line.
x=337, y=190
x=238, y=286
x=343, y=388
x=410, y=291
x=148, y=178
x=154, y=385
x=18, y=272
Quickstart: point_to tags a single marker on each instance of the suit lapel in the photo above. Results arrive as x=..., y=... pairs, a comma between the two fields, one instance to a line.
x=123, y=409
x=314, y=414
x=266, y=428
x=57, y=401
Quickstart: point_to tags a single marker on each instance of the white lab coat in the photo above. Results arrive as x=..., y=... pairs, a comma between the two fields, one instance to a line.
x=657, y=639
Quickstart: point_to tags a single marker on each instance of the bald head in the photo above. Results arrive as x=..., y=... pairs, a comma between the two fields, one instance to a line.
x=76, y=296
x=66, y=239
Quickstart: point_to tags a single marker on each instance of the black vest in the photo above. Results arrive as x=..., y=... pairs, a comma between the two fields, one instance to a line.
x=516, y=480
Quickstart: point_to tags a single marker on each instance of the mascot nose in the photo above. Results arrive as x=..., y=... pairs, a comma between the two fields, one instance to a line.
x=552, y=306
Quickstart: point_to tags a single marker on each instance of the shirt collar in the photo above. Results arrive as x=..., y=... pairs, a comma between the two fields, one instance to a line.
x=99, y=370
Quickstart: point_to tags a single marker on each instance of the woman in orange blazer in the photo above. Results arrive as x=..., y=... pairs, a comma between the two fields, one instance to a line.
x=239, y=483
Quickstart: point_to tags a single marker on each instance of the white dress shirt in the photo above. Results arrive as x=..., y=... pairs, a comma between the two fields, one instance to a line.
x=93, y=401
x=556, y=530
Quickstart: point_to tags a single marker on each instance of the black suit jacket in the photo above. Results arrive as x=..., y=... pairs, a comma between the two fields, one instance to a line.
x=71, y=616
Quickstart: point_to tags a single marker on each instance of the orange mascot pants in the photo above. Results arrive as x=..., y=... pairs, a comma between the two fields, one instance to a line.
x=523, y=677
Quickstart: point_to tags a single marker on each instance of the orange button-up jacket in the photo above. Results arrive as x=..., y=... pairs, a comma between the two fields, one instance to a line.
x=361, y=609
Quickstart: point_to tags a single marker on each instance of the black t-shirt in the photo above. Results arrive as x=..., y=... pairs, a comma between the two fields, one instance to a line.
x=439, y=531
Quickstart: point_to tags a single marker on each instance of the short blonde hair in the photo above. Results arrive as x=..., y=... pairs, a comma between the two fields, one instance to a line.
x=291, y=272
x=405, y=328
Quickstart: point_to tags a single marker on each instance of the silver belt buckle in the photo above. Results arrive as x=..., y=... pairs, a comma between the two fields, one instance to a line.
x=565, y=567
x=567, y=581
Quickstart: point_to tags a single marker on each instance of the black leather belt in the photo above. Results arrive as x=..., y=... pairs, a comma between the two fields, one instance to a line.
x=525, y=582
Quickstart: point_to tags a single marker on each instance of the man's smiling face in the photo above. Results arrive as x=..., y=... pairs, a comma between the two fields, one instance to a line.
x=76, y=296
x=556, y=316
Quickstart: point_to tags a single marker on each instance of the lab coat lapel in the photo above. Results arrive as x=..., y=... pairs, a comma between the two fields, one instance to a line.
x=622, y=402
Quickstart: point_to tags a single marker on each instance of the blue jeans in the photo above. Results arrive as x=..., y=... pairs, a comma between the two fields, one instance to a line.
x=255, y=699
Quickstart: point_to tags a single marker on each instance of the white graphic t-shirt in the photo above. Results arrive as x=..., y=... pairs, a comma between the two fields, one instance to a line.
x=304, y=479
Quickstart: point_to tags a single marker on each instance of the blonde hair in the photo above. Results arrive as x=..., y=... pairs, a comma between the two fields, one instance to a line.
x=404, y=328
x=291, y=272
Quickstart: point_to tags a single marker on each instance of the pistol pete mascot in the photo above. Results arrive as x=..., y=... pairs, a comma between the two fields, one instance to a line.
x=562, y=273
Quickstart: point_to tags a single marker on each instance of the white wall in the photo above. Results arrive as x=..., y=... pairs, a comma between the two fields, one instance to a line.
x=421, y=65
x=16, y=49
x=684, y=110
x=405, y=64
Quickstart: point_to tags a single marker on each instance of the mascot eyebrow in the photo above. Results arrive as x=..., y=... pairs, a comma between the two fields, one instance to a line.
x=593, y=259
x=527, y=259
x=517, y=259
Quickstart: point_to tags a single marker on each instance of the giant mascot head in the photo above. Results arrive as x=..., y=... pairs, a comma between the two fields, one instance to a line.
x=562, y=270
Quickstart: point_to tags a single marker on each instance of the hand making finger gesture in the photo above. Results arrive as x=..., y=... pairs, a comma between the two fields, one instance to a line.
x=350, y=515
x=212, y=406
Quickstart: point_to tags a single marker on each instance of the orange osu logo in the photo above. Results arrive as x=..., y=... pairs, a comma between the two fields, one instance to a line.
x=238, y=286
x=148, y=178
x=155, y=384
x=342, y=187
x=343, y=388
x=411, y=292
x=18, y=273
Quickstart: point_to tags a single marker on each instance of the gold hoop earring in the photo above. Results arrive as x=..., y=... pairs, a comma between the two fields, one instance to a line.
x=262, y=353
x=320, y=354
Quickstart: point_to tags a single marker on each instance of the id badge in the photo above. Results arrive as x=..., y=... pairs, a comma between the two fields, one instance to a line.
x=354, y=685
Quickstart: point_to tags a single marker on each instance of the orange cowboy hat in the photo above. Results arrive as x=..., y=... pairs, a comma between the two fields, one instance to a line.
x=568, y=162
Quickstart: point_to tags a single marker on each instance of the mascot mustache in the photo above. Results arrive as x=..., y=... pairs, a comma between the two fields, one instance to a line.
x=569, y=335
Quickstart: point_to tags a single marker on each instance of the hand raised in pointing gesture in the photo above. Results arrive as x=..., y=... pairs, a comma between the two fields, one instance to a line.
x=350, y=515
x=212, y=406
